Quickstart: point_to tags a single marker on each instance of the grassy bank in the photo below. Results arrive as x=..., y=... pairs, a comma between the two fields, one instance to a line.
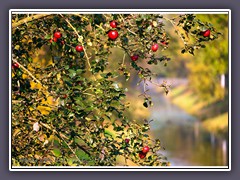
x=213, y=113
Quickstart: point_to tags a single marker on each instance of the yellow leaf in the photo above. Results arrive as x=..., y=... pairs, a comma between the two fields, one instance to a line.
x=35, y=85
x=24, y=76
x=58, y=77
x=16, y=132
x=44, y=110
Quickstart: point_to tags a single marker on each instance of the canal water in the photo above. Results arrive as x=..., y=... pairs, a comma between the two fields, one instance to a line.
x=185, y=141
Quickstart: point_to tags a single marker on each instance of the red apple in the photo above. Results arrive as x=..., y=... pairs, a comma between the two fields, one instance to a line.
x=206, y=33
x=113, y=24
x=154, y=47
x=15, y=65
x=113, y=34
x=134, y=57
x=79, y=48
x=127, y=140
x=142, y=155
x=145, y=149
x=57, y=34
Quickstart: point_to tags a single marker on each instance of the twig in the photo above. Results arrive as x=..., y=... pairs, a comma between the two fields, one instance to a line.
x=17, y=101
x=30, y=74
x=28, y=19
x=48, y=105
x=125, y=23
x=144, y=85
x=174, y=26
x=131, y=32
x=61, y=136
x=124, y=49
x=122, y=18
x=101, y=28
x=89, y=94
x=74, y=29
x=124, y=55
x=156, y=84
x=83, y=17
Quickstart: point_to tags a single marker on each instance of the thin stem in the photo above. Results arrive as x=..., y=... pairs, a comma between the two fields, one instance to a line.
x=30, y=74
x=62, y=138
x=79, y=37
x=124, y=55
x=174, y=26
x=131, y=32
x=122, y=18
x=17, y=101
x=125, y=23
x=125, y=160
x=89, y=94
x=28, y=19
x=101, y=28
x=124, y=49
x=156, y=84
x=83, y=17
x=48, y=105
x=144, y=85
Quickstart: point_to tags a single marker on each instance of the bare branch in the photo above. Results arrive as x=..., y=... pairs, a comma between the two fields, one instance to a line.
x=28, y=19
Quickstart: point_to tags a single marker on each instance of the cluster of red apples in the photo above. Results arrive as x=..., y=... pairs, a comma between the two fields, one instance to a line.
x=113, y=35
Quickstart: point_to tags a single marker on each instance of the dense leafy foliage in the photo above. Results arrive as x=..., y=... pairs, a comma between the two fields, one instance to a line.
x=211, y=64
x=84, y=121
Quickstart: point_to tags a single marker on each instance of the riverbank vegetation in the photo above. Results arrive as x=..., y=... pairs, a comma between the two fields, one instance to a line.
x=206, y=94
x=212, y=112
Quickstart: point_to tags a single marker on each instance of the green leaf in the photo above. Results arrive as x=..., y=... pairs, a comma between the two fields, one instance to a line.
x=82, y=155
x=48, y=36
x=72, y=73
x=118, y=128
x=67, y=67
x=54, y=43
x=78, y=87
x=79, y=102
x=56, y=152
x=70, y=161
x=56, y=142
x=108, y=132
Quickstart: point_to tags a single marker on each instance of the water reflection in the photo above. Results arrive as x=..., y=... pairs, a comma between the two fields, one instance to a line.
x=185, y=140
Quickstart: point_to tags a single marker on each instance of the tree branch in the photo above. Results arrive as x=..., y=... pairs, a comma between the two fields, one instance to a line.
x=74, y=29
x=62, y=136
x=28, y=19
x=30, y=74
x=177, y=31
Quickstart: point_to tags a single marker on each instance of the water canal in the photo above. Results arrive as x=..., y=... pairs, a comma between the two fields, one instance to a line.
x=186, y=142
